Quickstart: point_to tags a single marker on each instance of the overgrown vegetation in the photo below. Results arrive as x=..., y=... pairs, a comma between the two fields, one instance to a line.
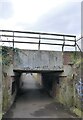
x=7, y=53
x=7, y=58
x=76, y=57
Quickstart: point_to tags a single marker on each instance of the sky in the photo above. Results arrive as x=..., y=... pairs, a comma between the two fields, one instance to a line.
x=55, y=16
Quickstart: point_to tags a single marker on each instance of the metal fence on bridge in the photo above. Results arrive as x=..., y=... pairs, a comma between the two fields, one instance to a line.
x=38, y=38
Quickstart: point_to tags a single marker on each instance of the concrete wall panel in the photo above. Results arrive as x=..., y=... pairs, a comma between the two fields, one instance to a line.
x=38, y=60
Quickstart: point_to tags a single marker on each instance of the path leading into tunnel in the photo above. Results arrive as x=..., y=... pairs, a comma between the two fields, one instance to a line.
x=34, y=102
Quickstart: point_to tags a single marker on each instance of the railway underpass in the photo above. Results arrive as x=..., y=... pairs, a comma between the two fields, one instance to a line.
x=40, y=83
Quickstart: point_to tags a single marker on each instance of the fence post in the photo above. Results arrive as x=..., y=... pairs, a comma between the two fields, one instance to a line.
x=13, y=40
x=75, y=48
x=39, y=43
x=63, y=43
x=13, y=48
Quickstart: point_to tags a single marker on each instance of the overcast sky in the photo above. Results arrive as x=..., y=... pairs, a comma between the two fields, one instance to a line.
x=57, y=16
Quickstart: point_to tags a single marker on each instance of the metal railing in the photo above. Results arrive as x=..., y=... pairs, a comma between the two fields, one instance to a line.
x=40, y=37
x=79, y=40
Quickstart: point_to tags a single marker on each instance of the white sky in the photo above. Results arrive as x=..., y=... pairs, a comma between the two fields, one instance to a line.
x=28, y=11
x=56, y=16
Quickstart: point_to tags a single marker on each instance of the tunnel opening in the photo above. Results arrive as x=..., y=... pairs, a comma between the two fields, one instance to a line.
x=29, y=83
x=44, y=82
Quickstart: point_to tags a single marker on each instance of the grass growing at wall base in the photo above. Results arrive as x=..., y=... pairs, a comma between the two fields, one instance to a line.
x=78, y=112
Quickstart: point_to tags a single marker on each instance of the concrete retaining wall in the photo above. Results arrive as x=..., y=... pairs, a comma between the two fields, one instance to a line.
x=69, y=89
x=7, y=78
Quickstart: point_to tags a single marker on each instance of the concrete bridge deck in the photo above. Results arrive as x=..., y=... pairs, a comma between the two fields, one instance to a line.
x=38, y=61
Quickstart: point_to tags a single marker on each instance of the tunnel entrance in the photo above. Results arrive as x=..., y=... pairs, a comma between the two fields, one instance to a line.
x=31, y=87
x=45, y=81
x=35, y=97
x=40, y=82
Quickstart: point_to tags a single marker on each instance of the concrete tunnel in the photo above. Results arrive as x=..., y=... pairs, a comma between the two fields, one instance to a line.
x=47, y=64
x=48, y=81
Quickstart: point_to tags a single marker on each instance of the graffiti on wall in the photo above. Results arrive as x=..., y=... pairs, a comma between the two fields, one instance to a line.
x=79, y=87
